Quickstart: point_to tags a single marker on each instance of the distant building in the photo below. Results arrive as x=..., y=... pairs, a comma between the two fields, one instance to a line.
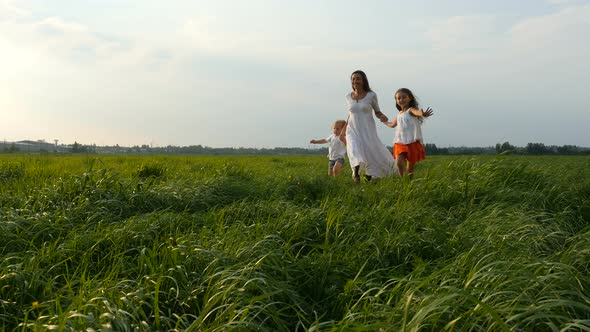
x=33, y=146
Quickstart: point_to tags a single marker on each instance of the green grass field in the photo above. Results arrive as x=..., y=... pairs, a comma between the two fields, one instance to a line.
x=127, y=243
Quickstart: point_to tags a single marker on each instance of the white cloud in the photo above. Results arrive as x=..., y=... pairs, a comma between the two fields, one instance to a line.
x=560, y=33
x=55, y=40
x=212, y=35
x=460, y=33
x=76, y=43
x=533, y=45
x=566, y=2
x=205, y=33
x=9, y=11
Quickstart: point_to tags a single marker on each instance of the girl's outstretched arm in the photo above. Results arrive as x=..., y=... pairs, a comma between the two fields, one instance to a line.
x=392, y=124
x=318, y=141
x=422, y=113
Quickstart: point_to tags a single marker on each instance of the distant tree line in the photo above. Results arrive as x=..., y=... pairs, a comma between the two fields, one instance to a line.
x=79, y=148
x=538, y=149
x=431, y=149
x=204, y=150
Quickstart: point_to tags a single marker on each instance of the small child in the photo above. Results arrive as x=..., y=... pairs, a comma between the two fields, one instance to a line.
x=336, y=148
x=407, y=143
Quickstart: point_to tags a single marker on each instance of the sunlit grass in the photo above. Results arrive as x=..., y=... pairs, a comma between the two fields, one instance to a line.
x=272, y=244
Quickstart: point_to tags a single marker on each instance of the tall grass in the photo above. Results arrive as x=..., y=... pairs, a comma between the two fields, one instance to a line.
x=272, y=244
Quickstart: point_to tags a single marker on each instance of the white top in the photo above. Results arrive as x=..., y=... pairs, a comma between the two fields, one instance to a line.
x=362, y=142
x=409, y=128
x=336, y=149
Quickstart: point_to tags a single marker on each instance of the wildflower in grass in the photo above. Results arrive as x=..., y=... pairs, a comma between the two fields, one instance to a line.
x=35, y=304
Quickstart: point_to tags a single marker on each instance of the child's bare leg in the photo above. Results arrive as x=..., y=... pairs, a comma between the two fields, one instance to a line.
x=337, y=169
x=411, y=169
x=400, y=164
x=330, y=171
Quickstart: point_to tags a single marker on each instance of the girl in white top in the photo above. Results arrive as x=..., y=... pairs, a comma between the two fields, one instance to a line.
x=407, y=143
x=366, y=153
x=336, y=148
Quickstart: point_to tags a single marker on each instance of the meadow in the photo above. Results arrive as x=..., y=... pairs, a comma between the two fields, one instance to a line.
x=131, y=243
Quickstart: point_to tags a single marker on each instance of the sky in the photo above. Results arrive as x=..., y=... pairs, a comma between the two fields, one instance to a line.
x=274, y=73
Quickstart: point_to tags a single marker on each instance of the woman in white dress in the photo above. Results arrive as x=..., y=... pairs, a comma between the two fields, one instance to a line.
x=365, y=151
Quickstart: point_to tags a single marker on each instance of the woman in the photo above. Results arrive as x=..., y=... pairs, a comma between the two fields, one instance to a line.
x=365, y=150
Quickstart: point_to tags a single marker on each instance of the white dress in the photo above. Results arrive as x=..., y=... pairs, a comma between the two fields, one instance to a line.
x=362, y=142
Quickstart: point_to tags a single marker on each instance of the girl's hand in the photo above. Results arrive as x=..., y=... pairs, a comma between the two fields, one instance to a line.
x=393, y=123
x=426, y=113
x=381, y=116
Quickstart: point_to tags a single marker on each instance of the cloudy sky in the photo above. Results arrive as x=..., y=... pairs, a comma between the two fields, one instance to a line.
x=268, y=73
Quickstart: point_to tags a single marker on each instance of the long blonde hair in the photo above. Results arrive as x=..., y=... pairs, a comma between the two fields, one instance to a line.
x=339, y=122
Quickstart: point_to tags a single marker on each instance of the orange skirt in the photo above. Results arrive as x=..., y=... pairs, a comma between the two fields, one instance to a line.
x=414, y=151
